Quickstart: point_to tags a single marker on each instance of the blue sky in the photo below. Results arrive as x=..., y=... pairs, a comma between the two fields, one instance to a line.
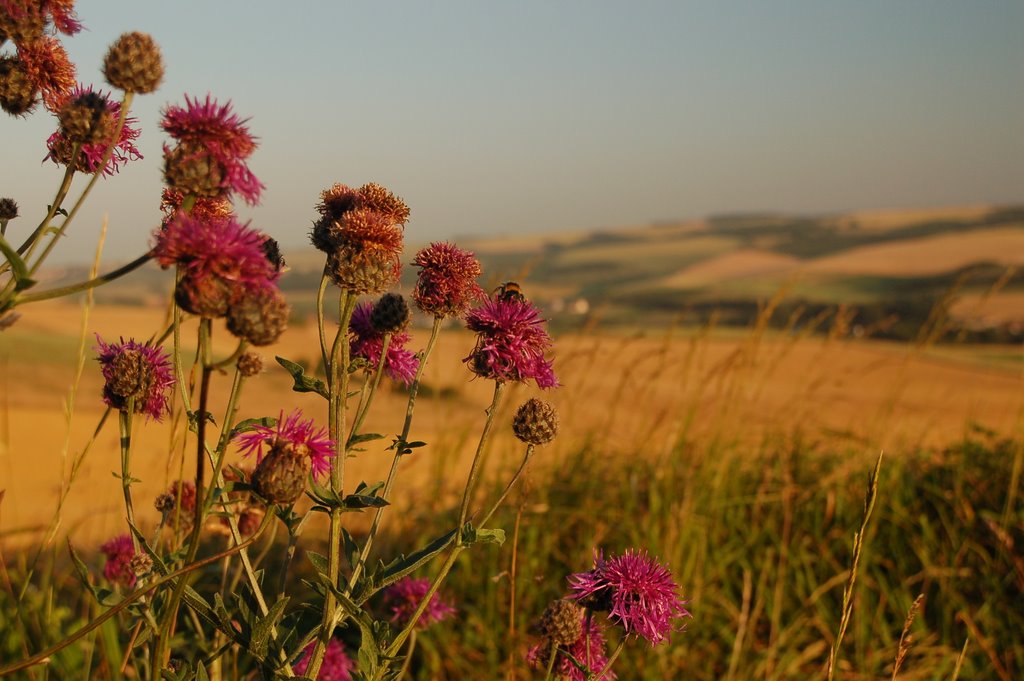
x=533, y=116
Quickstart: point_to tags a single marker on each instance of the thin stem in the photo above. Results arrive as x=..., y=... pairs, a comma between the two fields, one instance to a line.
x=320, y=320
x=406, y=427
x=508, y=487
x=125, y=426
x=410, y=626
x=408, y=656
x=611, y=660
x=83, y=285
x=364, y=408
x=474, y=471
x=552, y=654
x=126, y=103
x=337, y=372
x=42, y=657
x=62, y=192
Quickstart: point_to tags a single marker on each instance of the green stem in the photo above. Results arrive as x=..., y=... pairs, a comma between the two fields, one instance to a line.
x=552, y=654
x=83, y=285
x=126, y=103
x=320, y=320
x=125, y=424
x=408, y=656
x=337, y=372
x=62, y=192
x=474, y=471
x=406, y=427
x=42, y=657
x=611, y=660
x=508, y=487
x=364, y=407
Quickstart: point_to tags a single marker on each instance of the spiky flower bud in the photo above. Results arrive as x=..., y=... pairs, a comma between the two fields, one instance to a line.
x=134, y=64
x=280, y=477
x=141, y=564
x=8, y=209
x=562, y=622
x=85, y=119
x=260, y=315
x=204, y=295
x=362, y=274
x=390, y=314
x=536, y=422
x=18, y=92
x=250, y=364
x=189, y=170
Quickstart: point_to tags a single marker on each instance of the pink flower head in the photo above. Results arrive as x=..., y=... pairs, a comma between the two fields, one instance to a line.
x=446, y=285
x=215, y=246
x=91, y=155
x=119, y=552
x=511, y=342
x=404, y=597
x=37, y=13
x=591, y=637
x=337, y=666
x=302, y=436
x=47, y=65
x=366, y=342
x=638, y=593
x=211, y=130
x=135, y=372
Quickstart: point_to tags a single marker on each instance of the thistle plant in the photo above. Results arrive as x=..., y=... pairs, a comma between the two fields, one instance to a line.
x=183, y=581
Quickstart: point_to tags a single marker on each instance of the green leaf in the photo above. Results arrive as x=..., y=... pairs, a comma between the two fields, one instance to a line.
x=357, y=502
x=18, y=267
x=404, y=565
x=319, y=561
x=364, y=437
x=158, y=563
x=259, y=642
x=303, y=383
x=251, y=424
x=201, y=674
x=350, y=547
x=83, y=573
x=496, y=536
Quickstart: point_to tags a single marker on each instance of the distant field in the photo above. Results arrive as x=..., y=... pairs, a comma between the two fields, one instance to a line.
x=627, y=389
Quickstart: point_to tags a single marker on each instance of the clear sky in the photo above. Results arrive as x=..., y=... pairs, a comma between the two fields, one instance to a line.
x=493, y=117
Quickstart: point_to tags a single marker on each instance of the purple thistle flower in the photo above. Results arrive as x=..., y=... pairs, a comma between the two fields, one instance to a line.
x=135, y=371
x=446, y=285
x=591, y=637
x=366, y=342
x=217, y=246
x=638, y=593
x=119, y=552
x=337, y=665
x=511, y=342
x=91, y=155
x=211, y=130
x=405, y=595
x=302, y=436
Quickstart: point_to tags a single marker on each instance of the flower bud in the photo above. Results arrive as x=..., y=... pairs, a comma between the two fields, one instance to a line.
x=204, y=295
x=390, y=314
x=535, y=422
x=133, y=63
x=8, y=209
x=190, y=170
x=86, y=119
x=280, y=477
x=365, y=273
x=18, y=92
x=259, y=315
x=562, y=622
x=250, y=364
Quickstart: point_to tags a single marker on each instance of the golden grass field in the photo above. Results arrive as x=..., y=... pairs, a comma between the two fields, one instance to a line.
x=638, y=393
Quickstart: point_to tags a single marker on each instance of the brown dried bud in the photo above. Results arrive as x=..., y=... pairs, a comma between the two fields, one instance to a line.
x=380, y=199
x=249, y=520
x=362, y=274
x=18, y=92
x=206, y=296
x=536, y=422
x=191, y=170
x=8, y=209
x=562, y=622
x=141, y=564
x=259, y=315
x=132, y=377
x=86, y=119
x=280, y=477
x=23, y=27
x=133, y=63
x=272, y=250
x=390, y=314
x=250, y=364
